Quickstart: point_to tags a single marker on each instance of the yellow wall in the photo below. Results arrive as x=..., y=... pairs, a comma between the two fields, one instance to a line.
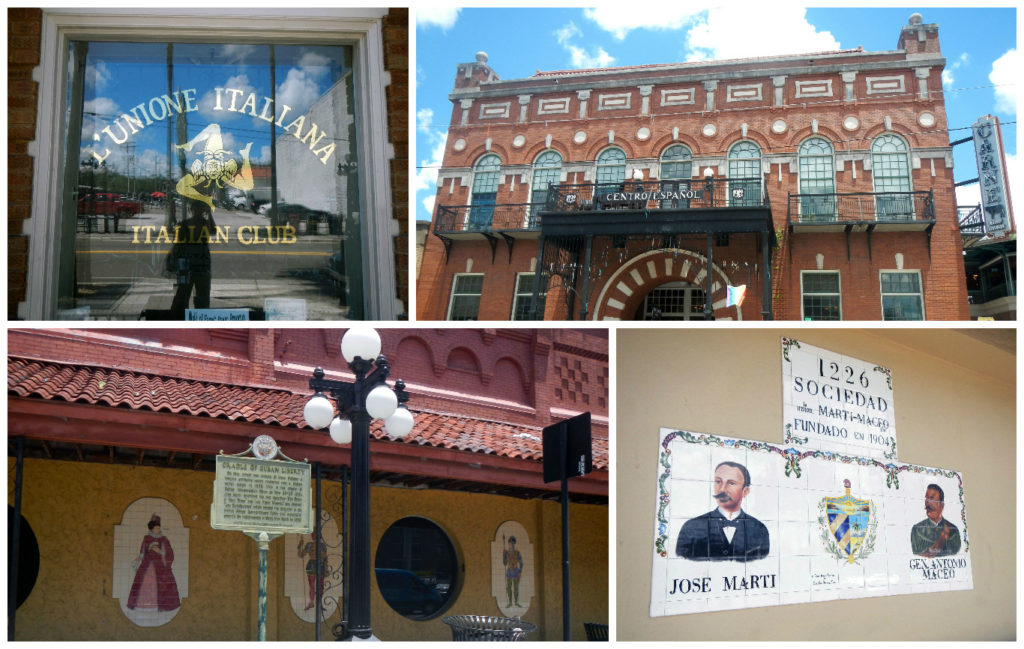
x=73, y=507
x=955, y=409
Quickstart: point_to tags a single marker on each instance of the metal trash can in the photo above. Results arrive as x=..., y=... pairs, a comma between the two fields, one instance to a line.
x=476, y=628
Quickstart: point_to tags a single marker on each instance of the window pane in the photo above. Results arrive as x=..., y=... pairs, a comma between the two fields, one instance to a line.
x=901, y=283
x=416, y=567
x=900, y=307
x=821, y=282
x=211, y=175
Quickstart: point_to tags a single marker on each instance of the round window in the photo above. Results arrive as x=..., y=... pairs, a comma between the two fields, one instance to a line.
x=417, y=568
x=28, y=555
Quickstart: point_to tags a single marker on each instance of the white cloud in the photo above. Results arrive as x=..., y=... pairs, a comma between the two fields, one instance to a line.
x=426, y=175
x=299, y=91
x=430, y=14
x=621, y=18
x=947, y=74
x=721, y=34
x=97, y=76
x=1005, y=76
x=578, y=56
x=971, y=194
x=209, y=100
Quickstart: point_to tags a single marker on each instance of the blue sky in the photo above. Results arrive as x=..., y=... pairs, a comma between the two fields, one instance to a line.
x=980, y=47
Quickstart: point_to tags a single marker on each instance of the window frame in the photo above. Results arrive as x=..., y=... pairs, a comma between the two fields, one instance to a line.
x=816, y=208
x=545, y=170
x=838, y=293
x=360, y=28
x=745, y=181
x=885, y=205
x=452, y=295
x=516, y=294
x=882, y=294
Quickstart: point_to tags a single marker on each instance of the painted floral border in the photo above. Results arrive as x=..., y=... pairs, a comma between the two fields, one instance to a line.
x=793, y=458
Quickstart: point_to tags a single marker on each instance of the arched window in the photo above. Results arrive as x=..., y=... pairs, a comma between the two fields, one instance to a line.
x=744, y=186
x=611, y=173
x=817, y=176
x=547, y=171
x=486, y=173
x=611, y=166
x=890, y=173
x=676, y=169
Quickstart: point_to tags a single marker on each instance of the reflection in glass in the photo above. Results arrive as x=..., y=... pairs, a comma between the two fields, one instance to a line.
x=416, y=568
x=215, y=176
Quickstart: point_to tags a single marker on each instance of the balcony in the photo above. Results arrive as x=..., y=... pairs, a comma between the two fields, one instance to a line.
x=861, y=212
x=971, y=223
x=472, y=221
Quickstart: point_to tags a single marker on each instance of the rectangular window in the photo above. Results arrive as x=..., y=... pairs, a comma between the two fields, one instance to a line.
x=465, y=302
x=821, y=295
x=211, y=180
x=901, y=295
x=522, y=304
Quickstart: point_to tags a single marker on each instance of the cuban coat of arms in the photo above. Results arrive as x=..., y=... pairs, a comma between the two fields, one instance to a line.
x=848, y=526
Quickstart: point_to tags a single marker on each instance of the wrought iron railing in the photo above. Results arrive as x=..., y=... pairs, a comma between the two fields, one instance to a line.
x=487, y=218
x=657, y=194
x=970, y=219
x=879, y=207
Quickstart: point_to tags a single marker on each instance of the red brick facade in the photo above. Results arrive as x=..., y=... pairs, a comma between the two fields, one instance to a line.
x=849, y=98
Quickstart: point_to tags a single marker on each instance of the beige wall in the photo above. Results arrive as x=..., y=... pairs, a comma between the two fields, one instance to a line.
x=73, y=507
x=955, y=409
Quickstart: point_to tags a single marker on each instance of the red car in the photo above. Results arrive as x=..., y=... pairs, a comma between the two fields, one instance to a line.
x=107, y=203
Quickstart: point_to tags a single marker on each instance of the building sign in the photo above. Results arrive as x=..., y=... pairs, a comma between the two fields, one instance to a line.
x=742, y=524
x=836, y=403
x=257, y=495
x=682, y=192
x=988, y=148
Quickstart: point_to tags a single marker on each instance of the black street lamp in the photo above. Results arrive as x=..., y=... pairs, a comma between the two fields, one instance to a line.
x=369, y=397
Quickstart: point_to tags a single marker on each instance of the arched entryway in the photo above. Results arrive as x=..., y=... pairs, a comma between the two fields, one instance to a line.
x=666, y=274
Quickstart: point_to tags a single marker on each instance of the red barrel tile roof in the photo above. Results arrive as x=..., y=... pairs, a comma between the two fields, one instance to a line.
x=119, y=388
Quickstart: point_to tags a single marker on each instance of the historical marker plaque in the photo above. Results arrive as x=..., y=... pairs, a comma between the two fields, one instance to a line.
x=271, y=496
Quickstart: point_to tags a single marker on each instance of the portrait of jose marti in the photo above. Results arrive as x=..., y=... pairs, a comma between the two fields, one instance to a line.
x=727, y=533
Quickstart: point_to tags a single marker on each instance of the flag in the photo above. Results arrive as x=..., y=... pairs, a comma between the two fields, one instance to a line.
x=735, y=295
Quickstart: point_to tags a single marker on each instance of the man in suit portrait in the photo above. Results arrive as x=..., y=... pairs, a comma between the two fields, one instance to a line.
x=726, y=533
x=934, y=536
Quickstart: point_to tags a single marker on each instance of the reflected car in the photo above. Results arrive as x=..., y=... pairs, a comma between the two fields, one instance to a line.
x=407, y=593
x=108, y=203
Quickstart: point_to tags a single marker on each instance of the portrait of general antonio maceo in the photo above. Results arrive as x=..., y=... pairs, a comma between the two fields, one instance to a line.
x=727, y=532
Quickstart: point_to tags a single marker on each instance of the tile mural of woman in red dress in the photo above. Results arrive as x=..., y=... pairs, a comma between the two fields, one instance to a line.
x=154, y=587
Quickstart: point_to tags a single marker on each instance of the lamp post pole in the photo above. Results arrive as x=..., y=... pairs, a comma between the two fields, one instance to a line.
x=359, y=402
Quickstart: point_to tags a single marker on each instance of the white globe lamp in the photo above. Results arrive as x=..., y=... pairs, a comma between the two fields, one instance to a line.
x=381, y=402
x=362, y=342
x=318, y=411
x=341, y=431
x=399, y=424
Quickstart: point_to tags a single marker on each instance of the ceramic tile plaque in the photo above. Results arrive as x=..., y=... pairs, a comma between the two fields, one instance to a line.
x=742, y=523
x=836, y=403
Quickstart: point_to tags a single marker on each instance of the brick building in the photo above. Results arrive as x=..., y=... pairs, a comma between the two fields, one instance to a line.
x=111, y=420
x=822, y=182
x=98, y=109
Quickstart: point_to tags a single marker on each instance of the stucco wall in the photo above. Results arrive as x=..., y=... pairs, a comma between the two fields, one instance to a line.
x=73, y=507
x=955, y=409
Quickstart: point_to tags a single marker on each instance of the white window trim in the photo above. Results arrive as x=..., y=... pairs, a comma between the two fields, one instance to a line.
x=359, y=27
x=515, y=297
x=451, y=294
x=822, y=272
x=881, y=294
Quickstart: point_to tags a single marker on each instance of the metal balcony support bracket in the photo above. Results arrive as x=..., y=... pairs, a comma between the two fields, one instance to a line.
x=510, y=242
x=928, y=233
x=871, y=230
x=847, y=230
x=447, y=247
x=493, y=240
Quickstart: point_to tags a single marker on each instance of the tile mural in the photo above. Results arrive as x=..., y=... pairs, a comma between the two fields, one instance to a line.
x=743, y=523
x=512, y=566
x=300, y=570
x=150, y=562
